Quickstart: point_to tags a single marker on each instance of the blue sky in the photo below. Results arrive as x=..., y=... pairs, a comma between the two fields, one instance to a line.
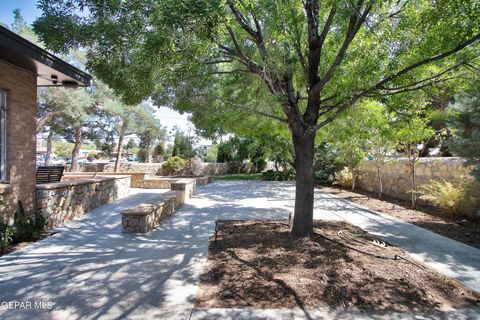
x=28, y=9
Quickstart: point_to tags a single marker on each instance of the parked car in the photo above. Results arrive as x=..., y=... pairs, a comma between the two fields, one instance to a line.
x=114, y=159
x=58, y=162
x=133, y=158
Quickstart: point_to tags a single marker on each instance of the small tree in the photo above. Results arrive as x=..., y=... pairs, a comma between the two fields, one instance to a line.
x=411, y=135
x=380, y=137
x=347, y=136
x=183, y=146
x=131, y=145
x=159, y=151
x=150, y=131
x=212, y=154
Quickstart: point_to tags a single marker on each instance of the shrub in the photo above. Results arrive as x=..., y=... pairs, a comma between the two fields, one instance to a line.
x=174, y=165
x=7, y=234
x=260, y=165
x=195, y=167
x=159, y=152
x=325, y=164
x=344, y=178
x=445, y=195
x=142, y=155
x=234, y=166
x=24, y=229
x=271, y=175
x=27, y=228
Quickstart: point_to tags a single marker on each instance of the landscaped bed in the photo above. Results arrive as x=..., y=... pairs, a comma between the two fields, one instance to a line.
x=459, y=228
x=257, y=264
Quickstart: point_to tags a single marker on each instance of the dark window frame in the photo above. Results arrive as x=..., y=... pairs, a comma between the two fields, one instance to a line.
x=3, y=134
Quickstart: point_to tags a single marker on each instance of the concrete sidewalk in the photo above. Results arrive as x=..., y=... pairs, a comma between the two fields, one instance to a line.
x=90, y=270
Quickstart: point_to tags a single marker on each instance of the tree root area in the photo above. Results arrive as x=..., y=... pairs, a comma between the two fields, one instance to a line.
x=257, y=264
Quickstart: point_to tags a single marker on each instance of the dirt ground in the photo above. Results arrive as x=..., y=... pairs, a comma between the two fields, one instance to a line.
x=460, y=229
x=23, y=244
x=257, y=264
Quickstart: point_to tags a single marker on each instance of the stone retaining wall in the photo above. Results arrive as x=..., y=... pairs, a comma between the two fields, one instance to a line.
x=396, y=176
x=136, y=178
x=59, y=202
x=125, y=167
x=155, y=169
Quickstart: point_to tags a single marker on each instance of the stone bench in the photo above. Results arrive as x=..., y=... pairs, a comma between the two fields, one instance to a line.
x=148, y=215
x=188, y=187
x=203, y=181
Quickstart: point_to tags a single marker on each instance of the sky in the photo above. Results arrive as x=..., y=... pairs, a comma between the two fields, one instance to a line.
x=168, y=117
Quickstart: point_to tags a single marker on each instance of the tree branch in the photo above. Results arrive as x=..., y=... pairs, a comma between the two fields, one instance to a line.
x=354, y=25
x=455, y=66
x=257, y=112
x=326, y=28
x=380, y=85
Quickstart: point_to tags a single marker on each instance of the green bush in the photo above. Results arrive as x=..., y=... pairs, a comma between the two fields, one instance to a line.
x=344, y=178
x=260, y=165
x=142, y=155
x=23, y=229
x=446, y=195
x=29, y=229
x=174, y=165
x=325, y=164
x=271, y=175
x=7, y=234
x=234, y=167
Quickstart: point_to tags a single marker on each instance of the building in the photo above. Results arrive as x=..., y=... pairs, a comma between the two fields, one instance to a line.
x=24, y=67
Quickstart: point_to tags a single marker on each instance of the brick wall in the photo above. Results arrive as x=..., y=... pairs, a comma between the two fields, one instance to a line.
x=21, y=89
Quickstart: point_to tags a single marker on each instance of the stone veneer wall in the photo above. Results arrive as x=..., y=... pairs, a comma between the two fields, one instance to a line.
x=148, y=215
x=59, y=202
x=152, y=168
x=396, y=175
x=128, y=167
x=136, y=178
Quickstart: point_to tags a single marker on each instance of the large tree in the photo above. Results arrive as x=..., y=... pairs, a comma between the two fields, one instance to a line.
x=301, y=63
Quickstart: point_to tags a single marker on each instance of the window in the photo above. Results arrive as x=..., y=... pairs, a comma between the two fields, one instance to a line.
x=3, y=135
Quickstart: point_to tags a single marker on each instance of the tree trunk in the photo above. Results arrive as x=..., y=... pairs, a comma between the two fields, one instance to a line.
x=149, y=154
x=413, y=170
x=48, y=160
x=121, y=136
x=303, y=217
x=352, y=169
x=76, y=149
x=380, y=184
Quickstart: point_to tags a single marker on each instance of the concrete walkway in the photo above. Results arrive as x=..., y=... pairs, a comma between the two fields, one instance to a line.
x=90, y=270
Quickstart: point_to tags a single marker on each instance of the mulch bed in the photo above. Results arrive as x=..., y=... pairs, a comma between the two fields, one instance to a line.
x=257, y=264
x=23, y=244
x=461, y=229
